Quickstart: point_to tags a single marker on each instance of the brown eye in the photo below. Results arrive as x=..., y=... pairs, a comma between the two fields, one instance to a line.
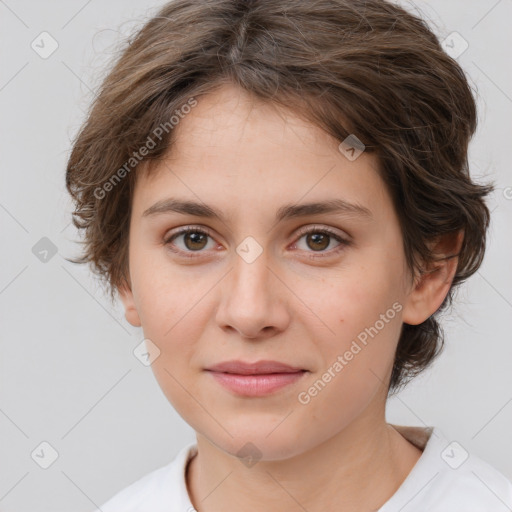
x=318, y=241
x=193, y=240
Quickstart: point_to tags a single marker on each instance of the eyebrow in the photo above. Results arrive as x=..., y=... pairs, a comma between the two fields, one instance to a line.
x=288, y=211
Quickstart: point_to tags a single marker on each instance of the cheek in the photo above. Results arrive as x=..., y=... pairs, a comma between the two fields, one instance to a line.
x=356, y=300
x=363, y=313
x=159, y=290
x=172, y=309
x=356, y=367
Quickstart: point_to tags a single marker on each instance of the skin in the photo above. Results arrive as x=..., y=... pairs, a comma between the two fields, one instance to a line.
x=247, y=159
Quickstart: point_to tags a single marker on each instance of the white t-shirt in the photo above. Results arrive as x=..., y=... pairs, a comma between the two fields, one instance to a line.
x=446, y=478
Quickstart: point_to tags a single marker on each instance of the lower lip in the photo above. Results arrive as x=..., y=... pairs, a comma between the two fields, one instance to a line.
x=256, y=385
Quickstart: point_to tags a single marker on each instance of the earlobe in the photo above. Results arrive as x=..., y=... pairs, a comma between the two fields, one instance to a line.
x=432, y=286
x=130, y=310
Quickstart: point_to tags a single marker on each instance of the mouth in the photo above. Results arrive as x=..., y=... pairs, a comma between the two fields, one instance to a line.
x=255, y=379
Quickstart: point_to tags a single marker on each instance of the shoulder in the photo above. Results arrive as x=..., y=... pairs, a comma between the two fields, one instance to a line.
x=156, y=491
x=473, y=487
x=448, y=478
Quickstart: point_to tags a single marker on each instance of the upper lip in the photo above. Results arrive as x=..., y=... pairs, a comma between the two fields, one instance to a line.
x=258, y=367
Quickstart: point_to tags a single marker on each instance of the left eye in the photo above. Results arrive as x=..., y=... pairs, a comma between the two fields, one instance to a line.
x=320, y=239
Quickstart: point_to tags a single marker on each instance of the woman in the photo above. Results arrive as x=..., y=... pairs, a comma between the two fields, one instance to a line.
x=279, y=192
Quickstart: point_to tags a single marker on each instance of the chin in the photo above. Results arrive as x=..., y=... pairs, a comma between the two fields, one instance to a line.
x=253, y=442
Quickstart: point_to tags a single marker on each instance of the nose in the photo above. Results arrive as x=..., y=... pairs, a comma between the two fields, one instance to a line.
x=253, y=299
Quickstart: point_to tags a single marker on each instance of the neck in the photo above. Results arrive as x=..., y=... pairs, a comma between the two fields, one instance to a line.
x=359, y=468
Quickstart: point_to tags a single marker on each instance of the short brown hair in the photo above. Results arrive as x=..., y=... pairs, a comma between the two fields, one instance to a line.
x=368, y=68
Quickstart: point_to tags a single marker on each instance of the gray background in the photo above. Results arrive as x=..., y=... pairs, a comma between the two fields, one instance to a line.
x=67, y=372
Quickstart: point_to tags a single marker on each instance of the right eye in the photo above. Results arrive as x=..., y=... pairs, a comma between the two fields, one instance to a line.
x=194, y=240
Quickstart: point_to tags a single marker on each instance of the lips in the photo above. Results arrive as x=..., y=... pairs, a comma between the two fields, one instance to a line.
x=255, y=379
x=256, y=368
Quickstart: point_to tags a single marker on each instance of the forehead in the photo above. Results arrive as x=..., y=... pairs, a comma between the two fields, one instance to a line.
x=231, y=118
x=230, y=145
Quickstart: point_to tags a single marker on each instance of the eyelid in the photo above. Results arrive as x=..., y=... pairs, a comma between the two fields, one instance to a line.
x=189, y=227
x=304, y=230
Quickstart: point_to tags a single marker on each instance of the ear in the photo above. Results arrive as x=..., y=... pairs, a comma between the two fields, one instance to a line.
x=130, y=310
x=431, y=287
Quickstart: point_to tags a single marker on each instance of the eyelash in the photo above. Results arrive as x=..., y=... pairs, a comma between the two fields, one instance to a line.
x=303, y=231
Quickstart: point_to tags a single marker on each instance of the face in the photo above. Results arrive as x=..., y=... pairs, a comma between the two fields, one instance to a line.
x=325, y=292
